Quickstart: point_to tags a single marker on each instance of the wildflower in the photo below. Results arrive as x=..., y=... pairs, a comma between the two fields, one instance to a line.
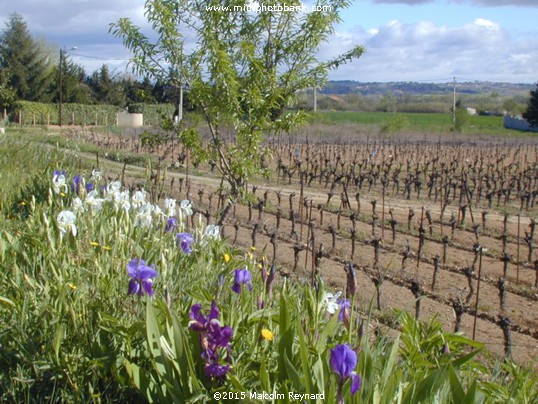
x=94, y=243
x=185, y=207
x=144, y=217
x=267, y=334
x=66, y=222
x=212, y=231
x=96, y=175
x=227, y=258
x=212, y=337
x=330, y=302
x=139, y=198
x=216, y=371
x=184, y=240
x=270, y=279
x=141, y=277
x=93, y=201
x=170, y=207
x=72, y=286
x=77, y=205
x=242, y=277
x=122, y=200
x=59, y=181
x=112, y=189
x=343, y=361
x=345, y=308
x=171, y=225
x=77, y=183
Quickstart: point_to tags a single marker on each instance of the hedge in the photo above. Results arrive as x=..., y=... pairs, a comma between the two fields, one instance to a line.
x=36, y=113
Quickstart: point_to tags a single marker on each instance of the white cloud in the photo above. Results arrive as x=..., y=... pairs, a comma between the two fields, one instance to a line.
x=486, y=3
x=395, y=51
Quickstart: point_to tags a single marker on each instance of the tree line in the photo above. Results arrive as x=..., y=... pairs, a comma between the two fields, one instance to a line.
x=30, y=70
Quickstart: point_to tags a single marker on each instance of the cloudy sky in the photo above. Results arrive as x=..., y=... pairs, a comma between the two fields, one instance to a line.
x=405, y=40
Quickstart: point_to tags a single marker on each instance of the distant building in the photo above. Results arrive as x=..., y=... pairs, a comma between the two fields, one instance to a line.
x=471, y=111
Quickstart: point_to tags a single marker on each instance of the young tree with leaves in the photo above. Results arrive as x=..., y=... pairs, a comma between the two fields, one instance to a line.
x=243, y=68
x=531, y=114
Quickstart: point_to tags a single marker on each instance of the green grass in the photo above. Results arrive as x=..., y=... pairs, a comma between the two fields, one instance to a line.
x=418, y=122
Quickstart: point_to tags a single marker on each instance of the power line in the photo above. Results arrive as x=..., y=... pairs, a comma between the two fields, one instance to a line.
x=97, y=57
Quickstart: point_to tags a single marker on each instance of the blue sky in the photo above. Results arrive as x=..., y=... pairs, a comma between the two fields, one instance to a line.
x=405, y=40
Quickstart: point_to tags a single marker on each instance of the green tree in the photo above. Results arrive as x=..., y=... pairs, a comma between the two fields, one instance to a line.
x=107, y=88
x=531, y=114
x=461, y=117
x=7, y=94
x=74, y=87
x=244, y=69
x=30, y=66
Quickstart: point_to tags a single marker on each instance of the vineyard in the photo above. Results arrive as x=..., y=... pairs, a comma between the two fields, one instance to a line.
x=441, y=227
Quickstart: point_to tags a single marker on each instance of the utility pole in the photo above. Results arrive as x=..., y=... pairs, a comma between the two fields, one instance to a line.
x=454, y=104
x=315, y=99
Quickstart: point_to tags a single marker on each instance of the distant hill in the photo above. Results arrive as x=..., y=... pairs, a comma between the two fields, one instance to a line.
x=419, y=88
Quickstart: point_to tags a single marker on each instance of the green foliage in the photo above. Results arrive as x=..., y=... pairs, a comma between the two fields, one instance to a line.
x=241, y=77
x=531, y=114
x=460, y=117
x=29, y=66
x=394, y=124
x=30, y=113
x=7, y=93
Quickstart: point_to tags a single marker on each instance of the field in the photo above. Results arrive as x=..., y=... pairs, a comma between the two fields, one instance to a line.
x=441, y=226
x=417, y=122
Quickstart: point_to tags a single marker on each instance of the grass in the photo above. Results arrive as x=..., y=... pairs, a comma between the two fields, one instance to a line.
x=418, y=122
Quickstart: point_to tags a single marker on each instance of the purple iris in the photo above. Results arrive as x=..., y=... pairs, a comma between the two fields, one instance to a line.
x=141, y=277
x=171, y=225
x=216, y=371
x=241, y=277
x=76, y=182
x=212, y=337
x=89, y=187
x=343, y=361
x=57, y=173
x=345, y=309
x=210, y=326
x=184, y=240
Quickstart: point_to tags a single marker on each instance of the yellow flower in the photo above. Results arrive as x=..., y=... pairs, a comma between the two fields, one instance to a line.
x=252, y=248
x=227, y=258
x=72, y=286
x=267, y=334
x=94, y=243
x=107, y=248
x=23, y=203
x=62, y=194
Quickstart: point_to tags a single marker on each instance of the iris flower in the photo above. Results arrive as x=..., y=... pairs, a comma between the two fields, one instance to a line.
x=242, y=277
x=66, y=222
x=141, y=277
x=184, y=240
x=343, y=362
x=171, y=225
x=212, y=337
